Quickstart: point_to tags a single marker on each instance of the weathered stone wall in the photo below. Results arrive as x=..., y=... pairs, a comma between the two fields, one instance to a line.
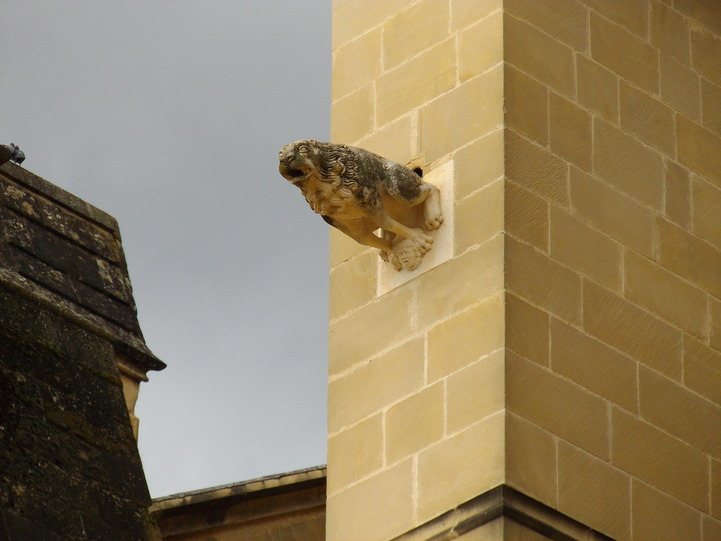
x=69, y=465
x=570, y=346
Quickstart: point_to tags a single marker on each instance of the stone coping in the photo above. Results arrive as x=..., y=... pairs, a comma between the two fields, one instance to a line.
x=251, y=486
x=48, y=189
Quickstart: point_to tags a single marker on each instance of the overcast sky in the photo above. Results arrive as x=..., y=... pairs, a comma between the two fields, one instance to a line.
x=169, y=114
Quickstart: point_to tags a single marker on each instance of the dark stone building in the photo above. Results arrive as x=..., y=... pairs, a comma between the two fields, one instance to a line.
x=71, y=358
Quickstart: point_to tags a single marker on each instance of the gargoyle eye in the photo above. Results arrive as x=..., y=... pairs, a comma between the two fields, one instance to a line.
x=303, y=149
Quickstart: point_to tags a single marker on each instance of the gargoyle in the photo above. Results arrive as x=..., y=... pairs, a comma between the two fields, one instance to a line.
x=359, y=192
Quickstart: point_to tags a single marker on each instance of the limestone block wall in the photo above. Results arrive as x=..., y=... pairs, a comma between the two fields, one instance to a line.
x=613, y=262
x=570, y=346
x=409, y=437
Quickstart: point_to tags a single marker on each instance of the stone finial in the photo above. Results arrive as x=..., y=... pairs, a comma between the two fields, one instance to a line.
x=359, y=192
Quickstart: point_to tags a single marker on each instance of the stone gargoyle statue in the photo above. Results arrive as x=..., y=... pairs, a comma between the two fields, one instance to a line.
x=359, y=192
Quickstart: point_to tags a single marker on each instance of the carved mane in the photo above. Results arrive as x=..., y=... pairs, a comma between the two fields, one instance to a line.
x=338, y=165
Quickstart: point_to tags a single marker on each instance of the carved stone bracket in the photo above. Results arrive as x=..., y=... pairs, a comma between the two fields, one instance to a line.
x=359, y=192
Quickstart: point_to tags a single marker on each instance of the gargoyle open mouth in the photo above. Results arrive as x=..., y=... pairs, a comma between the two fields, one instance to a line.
x=295, y=173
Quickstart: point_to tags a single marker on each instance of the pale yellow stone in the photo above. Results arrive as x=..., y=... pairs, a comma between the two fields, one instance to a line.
x=706, y=207
x=131, y=389
x=711, y=529
x=681, y=413
x=358, y=336
x=631, y=14
x=526, y=216
x=539, y=55
x=352, y=116
x=566, y=20
x=480, y=270
x=356, y=64
x=612, y=213
x=376, y=509
x=466, y=12
x=706, y=55
x=574, y=414
x=570, y=131
x=699, y=149
x=531, y=464
x=526, y=105
x=690, y=257
x=396, y=141
x=716, y=488
x=342, y=247
x=678, y=194
x=715, y=323
x=465, y=338
x=480, y=46
x=414, y=423
x=381, y=381
x=536, y=169
x=706, y=13
x=624, y=53
x=594, y=365
x=479, y=163
x=623, y=162
x=680, y=88
x=648, y=119
x=475, y=392
x=413, y=30
x=593, y=492
x=711, y=106
x=415, y=82
x=663, y=293
x=469, y=111
x=356, y=17
x=461, y=467
x=585, y=249
x=670, y=32
x=702, y=369
x=597, y=88
x=479, y=217
x=355, y=453
x=635, y=332
x=545, y=283
x=654, y=457
x=658, y=516
x=353, y=284
x=527, y=330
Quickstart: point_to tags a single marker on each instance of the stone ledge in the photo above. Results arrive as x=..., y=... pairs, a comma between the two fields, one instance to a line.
x=502, y=501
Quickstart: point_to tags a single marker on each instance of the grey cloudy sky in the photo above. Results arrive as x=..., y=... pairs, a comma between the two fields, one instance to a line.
x=169, y=114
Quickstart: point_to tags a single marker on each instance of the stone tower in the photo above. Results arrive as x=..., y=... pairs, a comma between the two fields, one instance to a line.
x=558, y=370
x=71, y=359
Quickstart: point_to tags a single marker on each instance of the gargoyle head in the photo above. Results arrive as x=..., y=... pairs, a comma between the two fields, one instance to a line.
x=299, y=161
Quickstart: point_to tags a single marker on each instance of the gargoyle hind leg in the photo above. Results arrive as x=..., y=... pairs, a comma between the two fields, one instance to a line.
x=423, y=240
x=363, y=235
x=432, y=207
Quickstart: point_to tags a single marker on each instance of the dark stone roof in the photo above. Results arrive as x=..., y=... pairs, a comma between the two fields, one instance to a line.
x=58, y=248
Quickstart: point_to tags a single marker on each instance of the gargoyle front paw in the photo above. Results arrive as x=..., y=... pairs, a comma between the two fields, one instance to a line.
x=434, y=222
x=423, y=242
x=393, y=260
